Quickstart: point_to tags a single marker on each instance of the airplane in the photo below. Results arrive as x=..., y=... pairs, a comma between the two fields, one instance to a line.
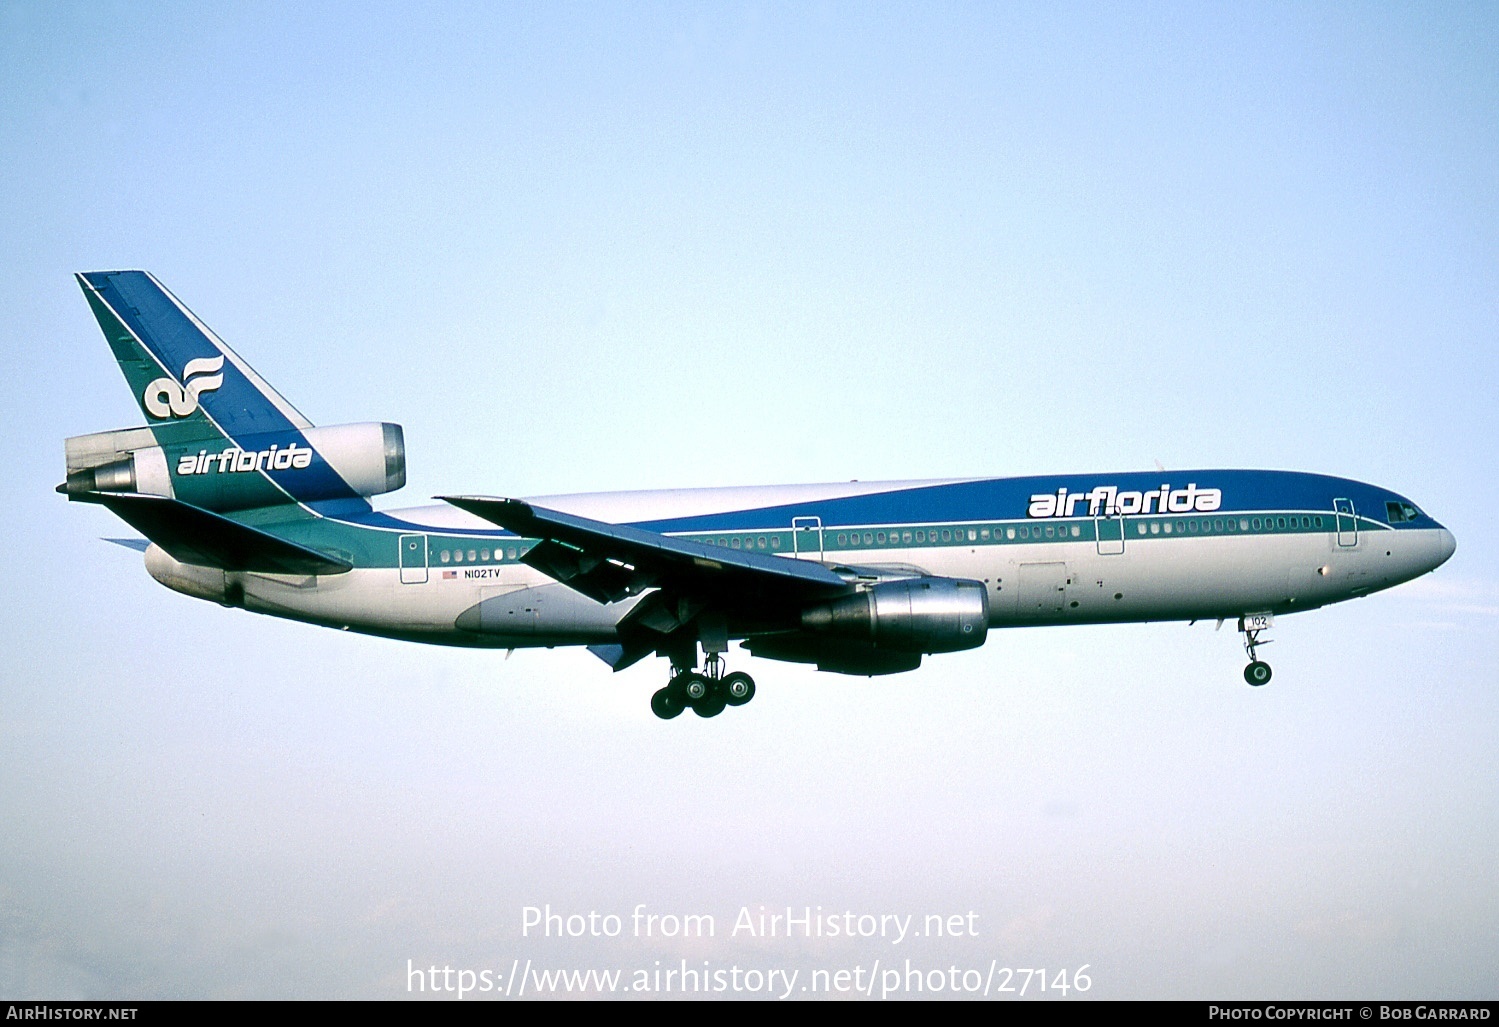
x=244, y=502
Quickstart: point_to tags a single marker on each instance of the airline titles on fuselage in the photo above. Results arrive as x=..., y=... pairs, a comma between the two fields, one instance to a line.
x=1111, y=501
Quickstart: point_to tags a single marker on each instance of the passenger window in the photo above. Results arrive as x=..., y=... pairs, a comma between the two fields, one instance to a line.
x=973, y=535
x=1076, y=531
x=946, y=535
x=1051, y=531
x=1009, y=533
x=760, y=542
x=921, y=536
x=905, y=536
x=484, y=554
x=446, y=556
x=1166, y=527
x=775, y=542
x=1140, y=528
x=735, y=543
x=1155, y=527
x=880, y=538
x=510, y=553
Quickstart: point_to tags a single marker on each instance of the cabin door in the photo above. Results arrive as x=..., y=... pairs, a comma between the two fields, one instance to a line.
x=1347, y=519
x=413, y=559
x=806, y=538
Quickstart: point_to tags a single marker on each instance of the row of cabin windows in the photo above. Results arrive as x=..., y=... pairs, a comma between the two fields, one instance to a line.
x=1221, y=524
x=476, y=555
x=1027, y=532
x=1024, y=532
x=747, y=542
x=959, y=535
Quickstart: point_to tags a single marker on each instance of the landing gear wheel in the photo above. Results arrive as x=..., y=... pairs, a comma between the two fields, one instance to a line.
x=667, y=703
x=694, y=686
x=1257, y=673
x=710, y=705
x=739, y=688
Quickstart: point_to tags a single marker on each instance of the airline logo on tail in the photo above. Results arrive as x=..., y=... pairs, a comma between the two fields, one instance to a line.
x=164, y=398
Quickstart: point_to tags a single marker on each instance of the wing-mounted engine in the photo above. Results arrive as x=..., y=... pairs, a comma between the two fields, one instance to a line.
x=914, y=615
x=304, y=465
x=884, y=628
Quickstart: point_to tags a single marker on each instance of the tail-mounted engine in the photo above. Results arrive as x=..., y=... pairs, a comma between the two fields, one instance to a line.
x=335, y=462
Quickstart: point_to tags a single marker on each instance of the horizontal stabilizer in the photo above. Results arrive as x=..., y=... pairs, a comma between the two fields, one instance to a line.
x=193, y=535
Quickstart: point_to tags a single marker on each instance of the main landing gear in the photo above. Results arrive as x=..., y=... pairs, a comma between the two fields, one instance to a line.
x=1258, y=671
x=707, y=692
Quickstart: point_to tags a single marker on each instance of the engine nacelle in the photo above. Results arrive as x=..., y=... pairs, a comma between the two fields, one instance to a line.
x=915, y=615
x=370, y=457
x=834, y=655
x=366, y=459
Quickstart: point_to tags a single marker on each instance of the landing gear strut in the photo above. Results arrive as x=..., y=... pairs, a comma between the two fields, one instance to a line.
x=1258, y=671
x=706, y=692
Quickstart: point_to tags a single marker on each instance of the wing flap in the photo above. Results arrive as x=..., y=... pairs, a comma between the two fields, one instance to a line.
x=599, y=579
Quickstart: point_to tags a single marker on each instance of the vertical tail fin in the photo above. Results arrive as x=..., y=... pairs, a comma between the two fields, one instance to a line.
x=225, y=439
x=189, y=384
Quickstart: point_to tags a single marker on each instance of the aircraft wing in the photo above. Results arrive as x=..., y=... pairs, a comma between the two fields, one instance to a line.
x=610, y=562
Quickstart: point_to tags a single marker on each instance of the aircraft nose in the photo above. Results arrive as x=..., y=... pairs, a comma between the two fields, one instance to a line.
x=1446, y=546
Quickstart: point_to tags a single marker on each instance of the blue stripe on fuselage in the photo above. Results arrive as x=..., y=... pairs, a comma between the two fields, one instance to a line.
x=1010, y=498
x=993, y=499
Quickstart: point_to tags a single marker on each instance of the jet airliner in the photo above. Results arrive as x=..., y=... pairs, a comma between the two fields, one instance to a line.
x=244, y=502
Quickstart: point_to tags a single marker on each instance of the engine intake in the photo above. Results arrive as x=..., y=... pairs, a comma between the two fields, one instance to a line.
x=916, y=615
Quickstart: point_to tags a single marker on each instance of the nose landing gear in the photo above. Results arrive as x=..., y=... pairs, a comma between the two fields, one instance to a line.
x=1258, y=671
x=707, y=693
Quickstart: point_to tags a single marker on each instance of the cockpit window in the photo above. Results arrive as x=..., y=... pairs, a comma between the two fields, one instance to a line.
x=1400, y=513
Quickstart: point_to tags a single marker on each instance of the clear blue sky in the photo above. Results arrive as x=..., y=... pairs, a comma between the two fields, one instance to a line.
x=585, y=247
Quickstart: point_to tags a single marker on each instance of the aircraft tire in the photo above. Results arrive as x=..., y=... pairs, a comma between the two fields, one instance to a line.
x=666, y=704
x=710, y=705
x=739, y=688
x=1257, y=673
